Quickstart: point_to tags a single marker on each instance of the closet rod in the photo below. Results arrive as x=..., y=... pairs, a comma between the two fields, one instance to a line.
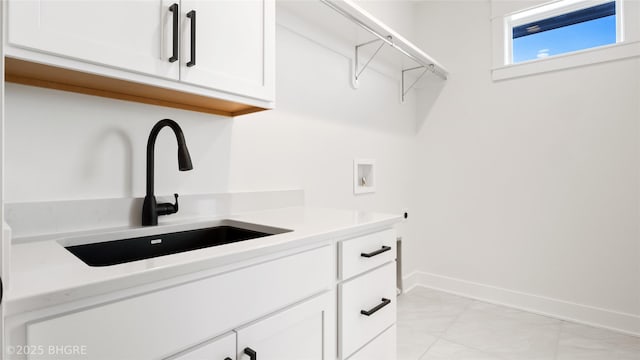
x=386, y=39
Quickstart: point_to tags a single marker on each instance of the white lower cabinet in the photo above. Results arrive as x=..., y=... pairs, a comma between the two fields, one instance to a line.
x=368, y=306
x=165, y=322
x=221, y=348
x=366, y=252
x=292, y=306
x=367, y=299
x=296, y=333
x=381, y=348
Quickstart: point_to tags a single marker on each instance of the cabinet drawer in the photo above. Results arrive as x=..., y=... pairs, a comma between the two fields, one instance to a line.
x=366, y=252
x=381, y=348
x=221, y=348
x=161, y=323
x=366, y=293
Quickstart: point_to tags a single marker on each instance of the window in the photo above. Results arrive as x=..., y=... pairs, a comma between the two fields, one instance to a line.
x=561, y=34
x=561, y=27
x=577, y=30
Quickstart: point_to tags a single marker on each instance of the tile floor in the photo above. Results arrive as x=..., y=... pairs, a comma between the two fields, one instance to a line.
x=433, y=325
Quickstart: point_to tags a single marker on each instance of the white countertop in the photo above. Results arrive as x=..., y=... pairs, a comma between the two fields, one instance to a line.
x=44, y=273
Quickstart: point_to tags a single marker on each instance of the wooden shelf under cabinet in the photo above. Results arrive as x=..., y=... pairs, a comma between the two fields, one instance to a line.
x=35, y=74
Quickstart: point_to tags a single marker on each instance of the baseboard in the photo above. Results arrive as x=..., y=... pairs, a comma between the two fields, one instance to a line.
x=560, y=309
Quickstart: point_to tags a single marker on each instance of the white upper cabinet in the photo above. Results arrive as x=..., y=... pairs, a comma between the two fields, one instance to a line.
x=233, y=48
x=123, y=34
x=193, y=53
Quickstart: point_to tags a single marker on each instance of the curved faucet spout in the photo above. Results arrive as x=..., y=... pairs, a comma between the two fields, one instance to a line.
x=150, y=209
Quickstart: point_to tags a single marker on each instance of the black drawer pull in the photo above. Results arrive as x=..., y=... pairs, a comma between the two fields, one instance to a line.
x=253, y=355
x=377, y=252
x=192, y=15
x=174, y=9
x=227, y=358
x=384, y=303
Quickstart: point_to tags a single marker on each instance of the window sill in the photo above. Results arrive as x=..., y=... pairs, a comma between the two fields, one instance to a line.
x=567, y=61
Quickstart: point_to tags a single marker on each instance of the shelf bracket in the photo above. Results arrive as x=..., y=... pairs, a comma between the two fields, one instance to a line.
x=357, y=71
x=430, y=67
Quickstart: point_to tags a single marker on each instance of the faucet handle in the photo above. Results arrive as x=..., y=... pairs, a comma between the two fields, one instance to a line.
x=168, y=208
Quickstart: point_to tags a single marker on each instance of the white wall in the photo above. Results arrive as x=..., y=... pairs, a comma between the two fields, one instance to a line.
x=398, y=14
x=63, y=146
x=322, y=124
x=68, y=146
x=532, y=184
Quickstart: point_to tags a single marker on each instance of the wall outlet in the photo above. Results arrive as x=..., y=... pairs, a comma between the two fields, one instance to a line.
x=364, y=178
x=405, y=214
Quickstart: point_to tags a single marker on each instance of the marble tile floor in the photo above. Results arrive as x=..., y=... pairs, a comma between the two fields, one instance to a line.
x=434, y=325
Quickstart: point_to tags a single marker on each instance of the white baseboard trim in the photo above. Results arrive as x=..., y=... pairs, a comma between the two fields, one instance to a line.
x=560, y=309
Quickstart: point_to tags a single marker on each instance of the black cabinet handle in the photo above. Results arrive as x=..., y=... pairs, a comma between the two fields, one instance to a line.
x=253, y=355
x=227, y=358
x=377, y=252
x=174, y=9
x=192, y=15
x=384, y=303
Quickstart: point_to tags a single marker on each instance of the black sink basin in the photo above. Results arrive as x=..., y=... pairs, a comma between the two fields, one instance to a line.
x=127, y=250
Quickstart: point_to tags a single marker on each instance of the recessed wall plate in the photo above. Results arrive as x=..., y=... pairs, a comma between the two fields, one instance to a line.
x=364, y=178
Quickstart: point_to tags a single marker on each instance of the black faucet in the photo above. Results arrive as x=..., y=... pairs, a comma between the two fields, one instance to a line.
x=151, y=209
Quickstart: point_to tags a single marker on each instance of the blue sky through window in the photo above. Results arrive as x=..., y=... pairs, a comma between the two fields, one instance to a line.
x=565, y=39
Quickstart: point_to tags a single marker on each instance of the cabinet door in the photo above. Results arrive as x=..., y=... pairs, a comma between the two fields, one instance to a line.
x=131, y=35
x=234, y=46
x=300, y=332
x=221, y=348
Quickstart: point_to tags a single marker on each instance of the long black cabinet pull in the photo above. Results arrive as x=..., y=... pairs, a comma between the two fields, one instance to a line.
x=253, y=355
x=174, y=9
x=377, y=252
x=384, y=303
x=192, y=15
